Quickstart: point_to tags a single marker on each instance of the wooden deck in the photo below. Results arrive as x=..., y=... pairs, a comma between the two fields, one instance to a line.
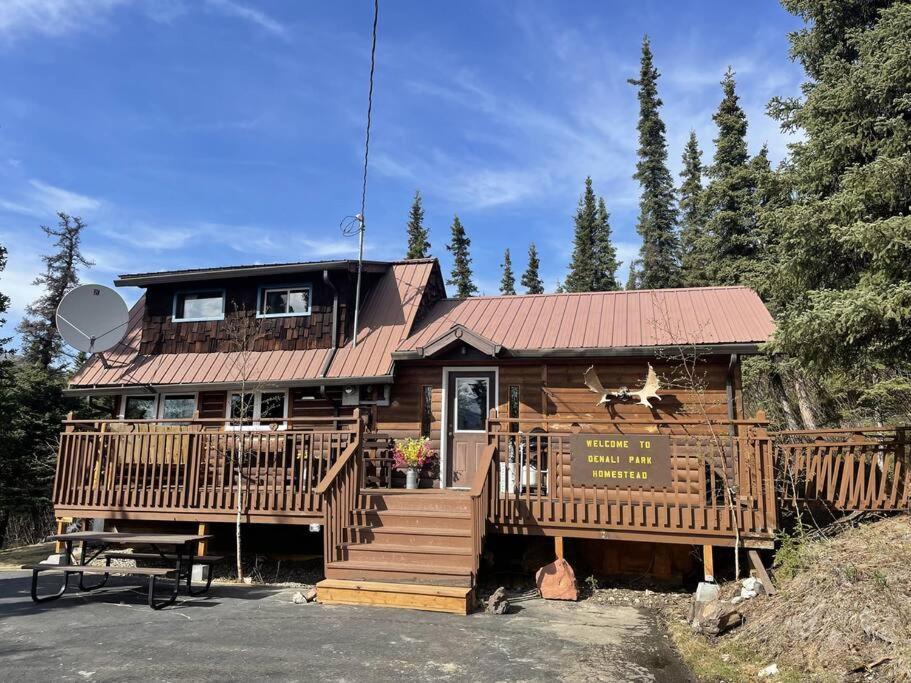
x=727, y=481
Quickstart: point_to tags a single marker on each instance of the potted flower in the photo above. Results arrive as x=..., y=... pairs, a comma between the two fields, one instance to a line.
x=411, y=455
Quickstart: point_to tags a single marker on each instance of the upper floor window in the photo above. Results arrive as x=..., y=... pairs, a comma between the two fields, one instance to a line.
x=283, y=301
x=202, y=305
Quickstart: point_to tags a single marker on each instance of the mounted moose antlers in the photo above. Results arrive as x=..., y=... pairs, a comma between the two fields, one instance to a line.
x=649, y=390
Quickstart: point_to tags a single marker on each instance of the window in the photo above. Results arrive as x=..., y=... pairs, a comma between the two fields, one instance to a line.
x=471, y=404
x=284, y=301
x=208, y=305
x=139, y=408
x=426, y=409
x=178, y=406
x=252, y=408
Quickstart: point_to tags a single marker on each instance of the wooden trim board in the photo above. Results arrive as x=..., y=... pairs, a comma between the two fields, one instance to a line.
x=454, y=600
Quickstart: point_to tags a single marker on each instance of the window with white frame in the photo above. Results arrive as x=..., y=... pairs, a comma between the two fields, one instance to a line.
x=284, y=301
x=200, y=305
x=257, y=410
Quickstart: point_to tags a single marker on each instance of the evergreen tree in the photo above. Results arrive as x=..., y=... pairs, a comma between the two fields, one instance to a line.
x=531, y=279
x=693, y=255
x=581, y=277
x=40, y=342
x=659, y=256
x=461, y=265
x=634, y=277
x=508, y=282
x=418, y=235
x=842, y=287
x=4, y=307
x=605, y=255
x=729, y=245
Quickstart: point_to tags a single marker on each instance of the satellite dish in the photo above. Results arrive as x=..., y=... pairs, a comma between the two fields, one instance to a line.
x=92, y=318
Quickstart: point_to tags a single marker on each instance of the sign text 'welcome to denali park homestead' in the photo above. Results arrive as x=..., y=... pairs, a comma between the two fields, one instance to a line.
x=621, y=460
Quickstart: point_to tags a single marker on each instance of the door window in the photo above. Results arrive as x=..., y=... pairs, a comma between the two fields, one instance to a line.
x=471, y=403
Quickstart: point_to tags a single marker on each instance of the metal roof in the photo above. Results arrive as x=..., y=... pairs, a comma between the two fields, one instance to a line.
x=386, y=319
x=538, y=325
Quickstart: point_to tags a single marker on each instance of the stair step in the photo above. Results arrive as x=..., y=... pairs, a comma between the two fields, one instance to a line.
x=386, y=536
x=393, y=548
x=430, y=501
x=413, y=519
x=452, y=599
x=361, y=570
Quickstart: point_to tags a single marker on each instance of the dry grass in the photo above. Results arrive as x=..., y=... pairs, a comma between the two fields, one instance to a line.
x=843, y=610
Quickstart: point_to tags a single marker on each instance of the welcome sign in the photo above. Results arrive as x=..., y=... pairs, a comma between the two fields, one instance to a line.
x=621, y=460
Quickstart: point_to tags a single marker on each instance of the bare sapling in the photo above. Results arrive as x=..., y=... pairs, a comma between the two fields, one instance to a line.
x=242, y=330
x=686, y=362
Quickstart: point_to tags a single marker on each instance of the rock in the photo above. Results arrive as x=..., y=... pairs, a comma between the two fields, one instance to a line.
x=498, y=603
x=716, y=618
x=737, y=599
x=769, y=671
x=751, y=587
x=298, y=598
x=310, y=594
x=706, y=593
x=557, y=581
x=248, y=580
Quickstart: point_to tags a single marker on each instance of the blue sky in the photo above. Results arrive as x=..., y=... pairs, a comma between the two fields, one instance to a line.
x=213, y=132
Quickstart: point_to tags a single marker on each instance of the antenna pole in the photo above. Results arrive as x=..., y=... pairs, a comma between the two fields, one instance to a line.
x=360, y=264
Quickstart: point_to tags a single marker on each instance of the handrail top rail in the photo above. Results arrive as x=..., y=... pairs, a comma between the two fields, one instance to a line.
x=483, y=471
x=841, y=430
x=580, y=419
x=210, y=420
x=340, y=462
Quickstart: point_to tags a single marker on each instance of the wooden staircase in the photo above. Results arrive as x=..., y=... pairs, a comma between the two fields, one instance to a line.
x=410, y=549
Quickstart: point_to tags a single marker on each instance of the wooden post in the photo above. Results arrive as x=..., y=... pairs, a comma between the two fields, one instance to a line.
x=203, y=546
x=558, y=548
x=761, y=572
x=61, y=529
x=708, y=563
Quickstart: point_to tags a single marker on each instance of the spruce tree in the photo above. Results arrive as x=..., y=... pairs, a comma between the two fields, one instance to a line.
x=418, y=235
x=461, y=264
x=508, y=281
x=4, y=307
x=604, y=252
x=729, y=244
x=841, y=290
x=581, y=277
x=694, y=256
x=660, y=252
x=41, y=344
x=531, y=279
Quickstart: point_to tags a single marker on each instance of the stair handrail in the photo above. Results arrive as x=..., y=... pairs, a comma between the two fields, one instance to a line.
x=482, y=496
x=340, y=491
x=342, y=460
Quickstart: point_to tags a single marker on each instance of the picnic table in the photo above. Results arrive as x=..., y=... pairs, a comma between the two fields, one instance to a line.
x=179, y=549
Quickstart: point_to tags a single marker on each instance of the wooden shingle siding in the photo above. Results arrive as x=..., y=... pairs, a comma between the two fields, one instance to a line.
x=162, y=335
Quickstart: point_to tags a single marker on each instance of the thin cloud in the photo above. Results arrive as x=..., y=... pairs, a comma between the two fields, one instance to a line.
x=52, y=17
x=254, y=16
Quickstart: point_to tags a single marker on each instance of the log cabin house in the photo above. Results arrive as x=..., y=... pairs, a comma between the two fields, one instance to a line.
x=496, y=383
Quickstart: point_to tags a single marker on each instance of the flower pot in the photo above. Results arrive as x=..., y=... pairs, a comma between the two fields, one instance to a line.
x=411, y=478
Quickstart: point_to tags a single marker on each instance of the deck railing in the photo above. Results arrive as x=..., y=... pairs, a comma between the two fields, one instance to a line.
x=847, y=469
x=340, y=489
x=173, y=469
x=483, y=496
x=722, y=483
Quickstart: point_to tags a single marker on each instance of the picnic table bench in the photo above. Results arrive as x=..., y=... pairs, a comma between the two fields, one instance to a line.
x=182, y=553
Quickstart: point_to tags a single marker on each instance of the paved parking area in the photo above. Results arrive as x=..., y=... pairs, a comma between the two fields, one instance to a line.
x=249, y=632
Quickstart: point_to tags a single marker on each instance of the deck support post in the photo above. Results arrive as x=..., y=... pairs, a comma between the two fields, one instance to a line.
x=708, y=563
x=200, y=572
x=558, y=548
x=761, y=573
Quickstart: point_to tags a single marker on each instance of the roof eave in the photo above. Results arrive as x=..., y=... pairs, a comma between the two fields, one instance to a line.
x=209, y=274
